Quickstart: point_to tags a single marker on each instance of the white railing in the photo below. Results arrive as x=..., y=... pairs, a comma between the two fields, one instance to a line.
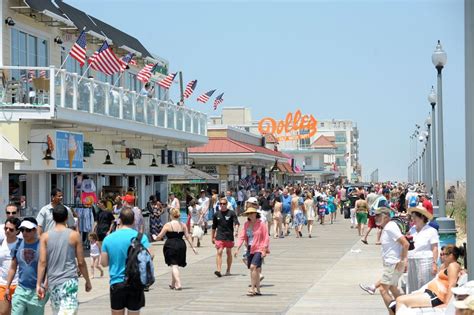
x=47, y=88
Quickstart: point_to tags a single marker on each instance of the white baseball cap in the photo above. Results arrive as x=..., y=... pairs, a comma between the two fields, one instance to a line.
x=252, y=200
x=28, y=225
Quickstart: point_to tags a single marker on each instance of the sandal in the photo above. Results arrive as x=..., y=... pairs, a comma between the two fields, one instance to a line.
x=365, y=242
x=178, y=289
x=218, y=274
x=258, y=293
x=251, y=293
x=171, y=287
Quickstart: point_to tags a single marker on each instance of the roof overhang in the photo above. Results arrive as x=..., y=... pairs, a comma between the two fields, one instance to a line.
x=9, y=153
x=131, y=50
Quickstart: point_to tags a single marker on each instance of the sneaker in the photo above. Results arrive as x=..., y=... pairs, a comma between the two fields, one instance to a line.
x=367, y=288
x=393, y=305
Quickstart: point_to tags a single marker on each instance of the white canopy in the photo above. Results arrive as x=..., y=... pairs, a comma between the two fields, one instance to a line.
x=9, y=153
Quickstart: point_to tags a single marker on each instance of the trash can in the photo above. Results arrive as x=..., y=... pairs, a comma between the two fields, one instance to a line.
x=447, y=231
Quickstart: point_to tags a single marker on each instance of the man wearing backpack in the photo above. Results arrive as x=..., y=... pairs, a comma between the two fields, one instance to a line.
x=411, y=200
x=115, y=251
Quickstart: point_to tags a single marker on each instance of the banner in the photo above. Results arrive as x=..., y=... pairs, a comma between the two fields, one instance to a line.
x=69, y=150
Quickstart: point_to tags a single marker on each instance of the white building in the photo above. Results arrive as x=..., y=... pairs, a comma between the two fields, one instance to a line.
x=343, y=134
x=68, y=125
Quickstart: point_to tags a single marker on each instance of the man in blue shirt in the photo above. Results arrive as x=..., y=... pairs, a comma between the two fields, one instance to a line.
x=286, y=210
x=114, y=255
x=25, y=257
x=231, y=201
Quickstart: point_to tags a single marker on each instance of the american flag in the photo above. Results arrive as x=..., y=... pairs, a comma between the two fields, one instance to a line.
x=145, y=74
x=27, y=76
x=105, y=61
x=166, y=82
x=126, y=60
x=78, y=50
x=205, y=97
x=42, y=74
x=190, y=88
x=218, y=100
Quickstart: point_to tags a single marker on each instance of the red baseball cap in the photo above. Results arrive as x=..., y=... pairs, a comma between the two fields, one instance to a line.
x=128, y=199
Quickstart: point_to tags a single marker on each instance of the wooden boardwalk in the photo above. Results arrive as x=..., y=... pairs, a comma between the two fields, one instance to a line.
x=302, y=276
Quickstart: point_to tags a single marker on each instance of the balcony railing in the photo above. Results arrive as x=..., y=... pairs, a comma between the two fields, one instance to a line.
x=44, y=89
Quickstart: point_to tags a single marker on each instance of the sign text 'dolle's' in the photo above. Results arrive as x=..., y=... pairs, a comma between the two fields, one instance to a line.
x=284, y=130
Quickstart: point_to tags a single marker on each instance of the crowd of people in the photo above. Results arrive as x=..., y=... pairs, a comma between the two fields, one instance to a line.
x=41, y=258
x=409, y=239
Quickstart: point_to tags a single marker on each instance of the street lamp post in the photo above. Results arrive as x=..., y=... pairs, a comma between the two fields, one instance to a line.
x=469, y=110
x=439, y=59
x=432, y=98
x=429, y=178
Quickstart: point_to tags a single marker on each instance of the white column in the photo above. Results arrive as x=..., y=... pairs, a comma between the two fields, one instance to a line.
x=44, y=189
x=107, y=99
x=5, y=169
x=143, y=197
x=75, y=94
x=52, y=93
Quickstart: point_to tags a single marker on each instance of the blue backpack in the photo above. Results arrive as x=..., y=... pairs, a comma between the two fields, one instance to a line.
x=412, y=201
x=139, y=270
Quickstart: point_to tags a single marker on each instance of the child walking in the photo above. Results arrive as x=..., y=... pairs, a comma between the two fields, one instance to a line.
x=95, y=254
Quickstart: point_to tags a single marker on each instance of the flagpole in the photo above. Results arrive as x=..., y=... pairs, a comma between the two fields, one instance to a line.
x=116, y=81
x=181, y=87
x=62, y=65
x=82, y=77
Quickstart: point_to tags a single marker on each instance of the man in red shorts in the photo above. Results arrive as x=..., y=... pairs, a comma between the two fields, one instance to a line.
x=225, y=225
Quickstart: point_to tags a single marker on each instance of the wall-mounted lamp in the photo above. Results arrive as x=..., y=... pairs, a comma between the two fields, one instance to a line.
x=108, y=161
x=275, y=168
x=130, y=158
x=9, y=21
x=153, y=160
x=131, y=162
x=58, y=40
x=47, y=155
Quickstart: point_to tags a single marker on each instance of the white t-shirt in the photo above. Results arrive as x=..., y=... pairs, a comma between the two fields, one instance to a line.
x=411, y=194
x=423, y=242
x=204, y=203
x=195, y=214
x=391, y=249
x=6, y=260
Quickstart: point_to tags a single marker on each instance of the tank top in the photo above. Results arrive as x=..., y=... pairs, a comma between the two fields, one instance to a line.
x=362, y=206
x=440, y=284
x=286, y=204
x=61, y=257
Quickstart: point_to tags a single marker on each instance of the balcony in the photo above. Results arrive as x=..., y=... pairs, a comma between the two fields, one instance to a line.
x=69, y=98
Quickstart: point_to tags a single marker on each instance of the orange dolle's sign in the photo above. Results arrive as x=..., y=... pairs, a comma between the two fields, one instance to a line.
x=292, y=123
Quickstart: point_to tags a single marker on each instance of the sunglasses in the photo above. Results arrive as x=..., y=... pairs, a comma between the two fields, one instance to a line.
x=9, y=229
x=11, y=213
x=223, y=203
x=27, y=230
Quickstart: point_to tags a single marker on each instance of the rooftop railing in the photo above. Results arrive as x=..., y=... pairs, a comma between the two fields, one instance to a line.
x=44, y=89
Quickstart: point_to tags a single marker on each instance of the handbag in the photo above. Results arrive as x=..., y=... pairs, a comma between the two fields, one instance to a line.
x=198, y=232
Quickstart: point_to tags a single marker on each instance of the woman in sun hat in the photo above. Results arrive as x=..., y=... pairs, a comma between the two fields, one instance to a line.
x=255, y=235
x=422, y=260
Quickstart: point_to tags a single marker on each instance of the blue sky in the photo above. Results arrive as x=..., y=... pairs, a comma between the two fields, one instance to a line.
x=368, y=61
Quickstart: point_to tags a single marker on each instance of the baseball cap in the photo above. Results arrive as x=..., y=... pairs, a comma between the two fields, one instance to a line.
x=386, y=191
x=128, y=198
x=29, y=223
x=202, y=190
x=252, y=200
x=466, y=304
x=466, y=289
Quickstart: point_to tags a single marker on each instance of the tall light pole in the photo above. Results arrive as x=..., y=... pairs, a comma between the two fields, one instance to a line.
x=469, y=109
x=429, y=177
x=439, y=59
x=432, y=98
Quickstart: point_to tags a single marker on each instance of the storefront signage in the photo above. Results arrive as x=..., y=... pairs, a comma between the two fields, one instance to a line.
x=293, y=127
x=69, y=150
